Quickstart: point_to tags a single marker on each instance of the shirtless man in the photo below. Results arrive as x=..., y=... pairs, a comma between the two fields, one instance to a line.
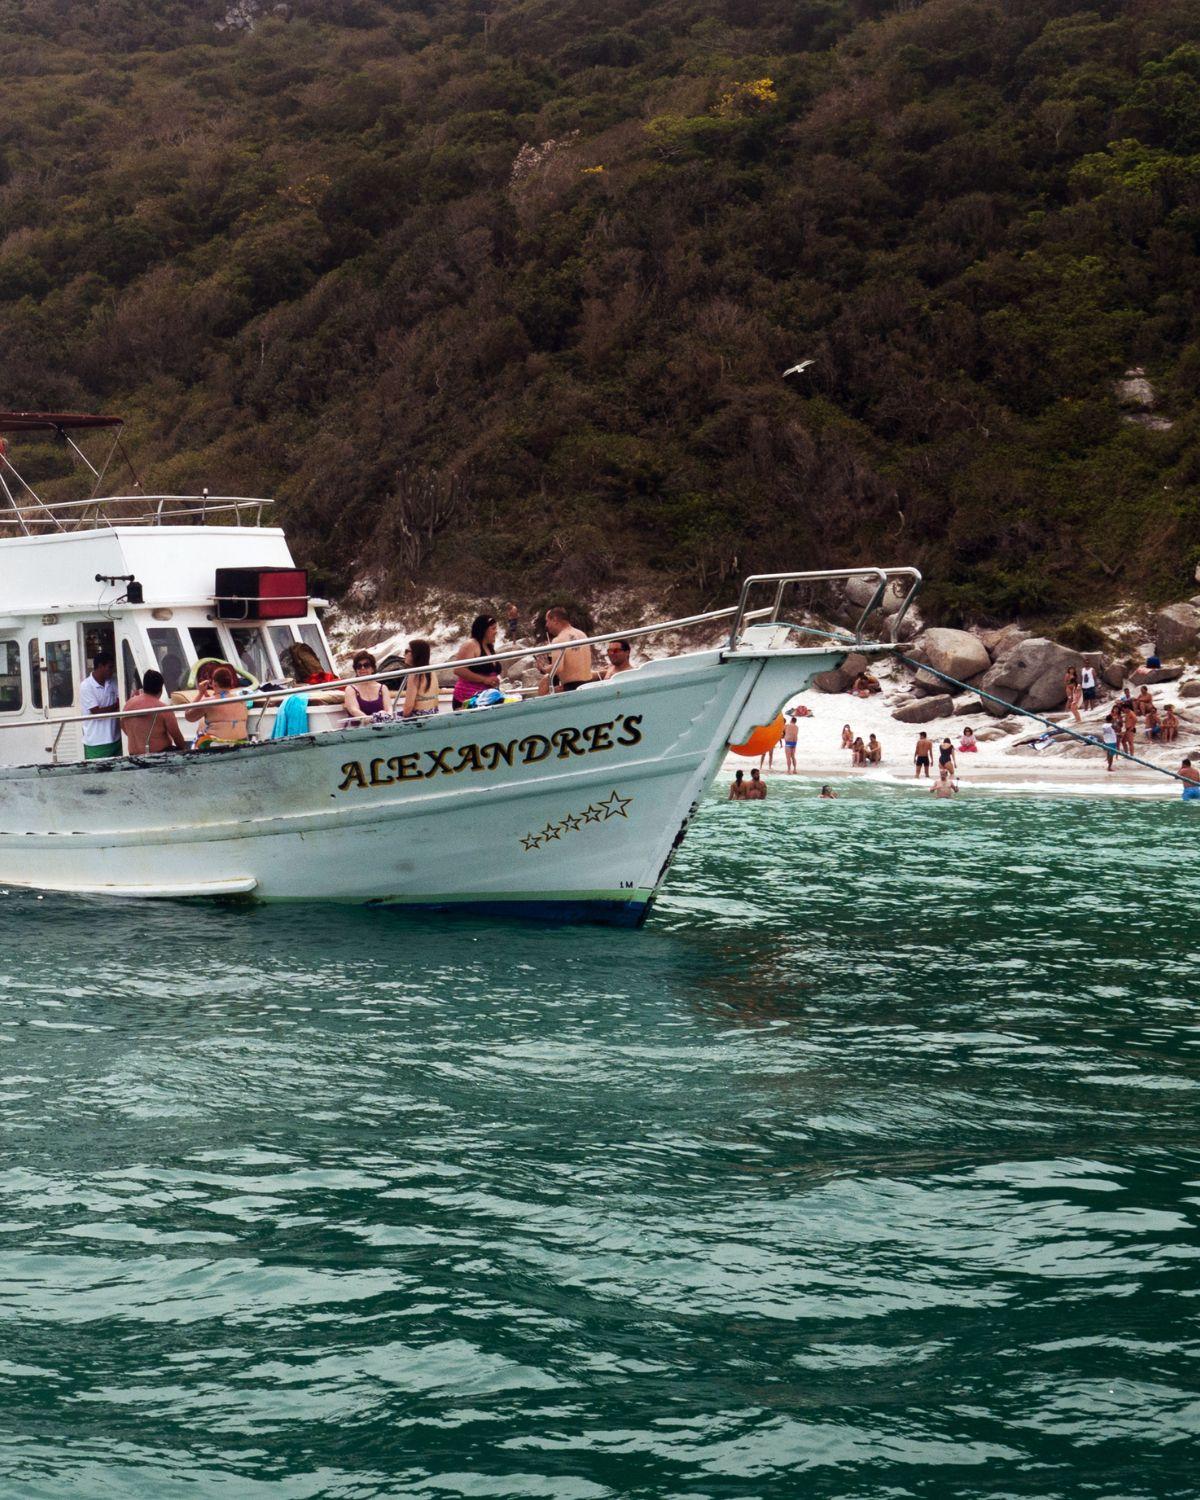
x=570, y=666
x=1170, y=725
x=151, y=734
x=618, y=658
x=923, y=755
x=1191, y=776
x=944, y=785
x=757, y=790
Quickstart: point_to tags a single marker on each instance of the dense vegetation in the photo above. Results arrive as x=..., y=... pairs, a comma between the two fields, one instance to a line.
x=500, y=289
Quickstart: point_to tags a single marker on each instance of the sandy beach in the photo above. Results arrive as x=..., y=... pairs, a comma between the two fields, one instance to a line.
x=1003, y=764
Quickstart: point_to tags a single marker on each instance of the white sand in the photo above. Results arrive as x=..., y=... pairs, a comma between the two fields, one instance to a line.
x=999, y=765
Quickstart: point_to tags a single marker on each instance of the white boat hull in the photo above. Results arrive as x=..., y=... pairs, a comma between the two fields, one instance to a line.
x=567, y=806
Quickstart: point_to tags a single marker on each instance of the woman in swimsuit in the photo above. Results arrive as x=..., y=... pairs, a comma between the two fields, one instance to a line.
x=224, y=722
x=847, y=737
x=858, y=752
x=420, y=688
x=1074, y=692
x=365, y=700
x=946, y=759
x=474, y=671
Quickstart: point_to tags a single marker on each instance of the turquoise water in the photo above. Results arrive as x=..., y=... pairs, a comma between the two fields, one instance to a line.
x=871, y=1167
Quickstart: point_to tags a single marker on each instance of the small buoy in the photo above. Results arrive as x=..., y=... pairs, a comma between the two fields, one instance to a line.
x=762, y=738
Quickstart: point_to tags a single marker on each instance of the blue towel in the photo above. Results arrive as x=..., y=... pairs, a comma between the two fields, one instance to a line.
x=291, y=717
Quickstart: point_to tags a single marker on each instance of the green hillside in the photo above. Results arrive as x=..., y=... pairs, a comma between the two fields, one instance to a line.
x=498, y=292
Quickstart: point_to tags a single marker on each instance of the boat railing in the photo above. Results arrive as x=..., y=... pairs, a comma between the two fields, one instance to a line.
x=262, y=697
x=136, y=510
x=884, y=578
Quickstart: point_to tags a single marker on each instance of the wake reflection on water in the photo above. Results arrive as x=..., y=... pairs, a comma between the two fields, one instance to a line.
x=870, y=1167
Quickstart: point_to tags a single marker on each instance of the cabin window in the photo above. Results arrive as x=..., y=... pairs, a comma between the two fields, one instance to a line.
x=11, y=697
x=283, y=641
x=35, y=674
x=60, y=674
x=133, y=678
x=252, y=652
x=206, y=642
x=311, y=636
x=169, y=657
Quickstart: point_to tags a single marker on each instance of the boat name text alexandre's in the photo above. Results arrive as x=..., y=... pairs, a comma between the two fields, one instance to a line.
x=526, y=751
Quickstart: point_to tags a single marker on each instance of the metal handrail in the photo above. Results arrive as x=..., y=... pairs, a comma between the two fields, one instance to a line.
x=199, y=507
x=740, y=614
x=827, y=575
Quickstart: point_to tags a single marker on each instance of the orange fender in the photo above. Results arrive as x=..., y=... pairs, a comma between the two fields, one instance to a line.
x=761, y=739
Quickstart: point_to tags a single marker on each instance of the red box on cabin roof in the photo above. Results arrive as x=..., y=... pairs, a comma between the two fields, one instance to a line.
x=261, y=593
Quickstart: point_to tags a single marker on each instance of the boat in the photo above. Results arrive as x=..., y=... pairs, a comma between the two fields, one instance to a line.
x=565, y=806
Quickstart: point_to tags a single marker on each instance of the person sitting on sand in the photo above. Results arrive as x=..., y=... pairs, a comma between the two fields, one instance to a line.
x=944, y=785
x=858, y=752
x=757, y=790
x=874, y=752
x=923, y=755
x=1143, y=703
x=847, y=737
x=1189, y=773
x=802, y=711
x=737, y=791
x=1170, y=725
x=1153, y=723
x=865, y=684
x=828, y=794
x=967, y=744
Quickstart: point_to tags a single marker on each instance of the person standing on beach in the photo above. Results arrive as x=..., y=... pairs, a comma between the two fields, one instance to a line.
x=1074, y=693
x=1087, y=684
x=791, y=733
x=923, y=755
x=1127, y=729
x=946, y=760
x=1110, y=734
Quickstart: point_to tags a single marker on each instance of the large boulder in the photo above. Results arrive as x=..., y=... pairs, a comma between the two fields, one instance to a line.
x=958, y=653
x=969, y=708
x=860, y=591
x=925, y=710
x=1148, y=676
x=1177, y=628
x=839, y=679
x=1190, y=690
x=998, y=643
x=1031, y=676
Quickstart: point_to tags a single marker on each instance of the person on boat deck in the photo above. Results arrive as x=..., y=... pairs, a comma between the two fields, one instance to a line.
x=967, y=743
x=305, y=660
x=151, y=733
x=618, y=653
x=473, y=671
x=225, y=716
x=570, y=666
x=757, y=790
x=173, y=672
x=420, y=688
x=365, y=700
x=291, y=713
x=98, y=697
x=737, y=791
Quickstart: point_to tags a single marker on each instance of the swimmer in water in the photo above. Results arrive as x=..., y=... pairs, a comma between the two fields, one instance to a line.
x=1189, y=773
x=828, y=794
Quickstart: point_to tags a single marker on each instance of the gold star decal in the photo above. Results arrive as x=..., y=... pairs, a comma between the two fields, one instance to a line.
x=551, y=831
x=614, y=806
x=531, y=841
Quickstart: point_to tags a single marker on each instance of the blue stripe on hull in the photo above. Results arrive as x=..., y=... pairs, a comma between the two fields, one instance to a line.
x=605, y=913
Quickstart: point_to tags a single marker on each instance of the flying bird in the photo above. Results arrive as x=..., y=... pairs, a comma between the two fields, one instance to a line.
x=798, y=369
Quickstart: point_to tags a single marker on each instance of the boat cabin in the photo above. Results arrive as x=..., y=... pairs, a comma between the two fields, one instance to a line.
x=157, y=581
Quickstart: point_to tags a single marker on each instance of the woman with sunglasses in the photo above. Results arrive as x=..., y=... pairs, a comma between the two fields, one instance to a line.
x=366, y=699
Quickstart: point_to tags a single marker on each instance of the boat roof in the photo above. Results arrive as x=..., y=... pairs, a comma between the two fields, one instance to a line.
x=53, y=421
